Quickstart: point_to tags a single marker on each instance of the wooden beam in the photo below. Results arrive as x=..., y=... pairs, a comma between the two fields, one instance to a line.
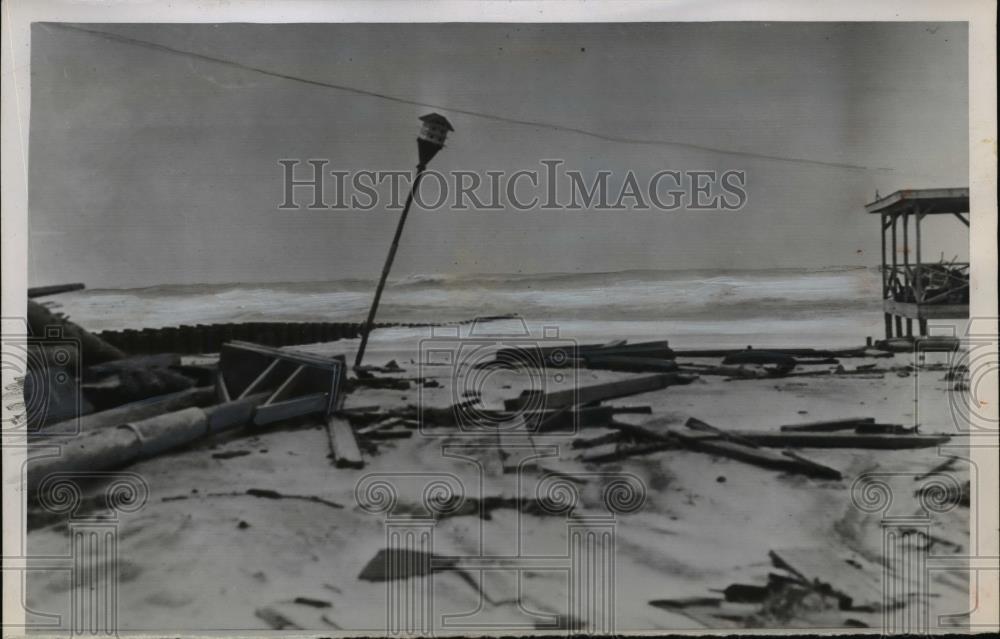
x=828, y=425
x=918, y=286
x=272, y=411
x=768, y=459
x=599, y=392
x=344, y=449
x=835, y=440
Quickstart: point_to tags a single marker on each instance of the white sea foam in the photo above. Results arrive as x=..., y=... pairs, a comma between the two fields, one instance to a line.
x=790, y=306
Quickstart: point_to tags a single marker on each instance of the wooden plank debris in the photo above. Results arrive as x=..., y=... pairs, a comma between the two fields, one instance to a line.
x=828, y=425
x=696, y=424
x=817, y=353
x=344, y=449
x=597, y=438
x=767, y=459
x=618, y=451
x=735, y=372
x=272, y=412
x=569, y=355
x=853, y=580
x=885, y=429
x=781, y=360
x=389, y=433
x=600, y=392
x=837, y=440
x=629, y=364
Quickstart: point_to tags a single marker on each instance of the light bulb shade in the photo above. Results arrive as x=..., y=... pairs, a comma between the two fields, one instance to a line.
x=435, y=128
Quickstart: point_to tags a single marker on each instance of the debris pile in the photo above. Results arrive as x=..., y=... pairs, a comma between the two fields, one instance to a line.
x=842, y=588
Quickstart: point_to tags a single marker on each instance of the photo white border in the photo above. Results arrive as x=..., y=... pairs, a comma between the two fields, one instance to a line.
x=980, y=14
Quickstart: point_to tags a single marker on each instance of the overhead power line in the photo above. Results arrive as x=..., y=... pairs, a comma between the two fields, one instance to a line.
x=114, y=37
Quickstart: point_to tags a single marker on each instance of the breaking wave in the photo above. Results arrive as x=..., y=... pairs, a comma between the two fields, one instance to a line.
x=644, y=295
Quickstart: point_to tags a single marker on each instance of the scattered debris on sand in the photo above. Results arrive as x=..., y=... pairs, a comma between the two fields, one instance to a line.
x=142, y=406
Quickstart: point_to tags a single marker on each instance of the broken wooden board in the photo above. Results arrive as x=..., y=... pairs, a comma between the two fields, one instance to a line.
x=855, y=581
x=597, y=437
x=568, y=419
x=628, y=364
x=885, y=429
x=759, y=357
x=837, y=440
x=827, y=426
x=815, y=440
x=861, y=351
x=710, y=443
x=392, y=433
x=617, y=451
x=344, y=449
x=569, y=355
x=734, y=372
x=276, y=620
x=598, y=392
x=696, y=424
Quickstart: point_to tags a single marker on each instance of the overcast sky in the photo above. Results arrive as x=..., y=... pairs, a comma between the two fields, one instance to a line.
x=151, y=167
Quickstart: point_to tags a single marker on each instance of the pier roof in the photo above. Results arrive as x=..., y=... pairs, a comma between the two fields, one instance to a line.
x=929, y=201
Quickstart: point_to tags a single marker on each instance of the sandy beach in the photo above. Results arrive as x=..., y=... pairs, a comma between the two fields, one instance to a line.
x=203, y=554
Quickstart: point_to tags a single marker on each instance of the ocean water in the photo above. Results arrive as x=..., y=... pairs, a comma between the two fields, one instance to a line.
x=826, y=307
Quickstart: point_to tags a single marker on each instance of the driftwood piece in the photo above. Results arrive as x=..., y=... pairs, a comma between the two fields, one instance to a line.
x=344, y=449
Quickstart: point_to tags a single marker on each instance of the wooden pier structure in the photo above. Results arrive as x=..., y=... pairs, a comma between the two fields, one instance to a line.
x=919, y=290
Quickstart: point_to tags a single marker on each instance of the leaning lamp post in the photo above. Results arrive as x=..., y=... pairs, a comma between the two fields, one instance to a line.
x=430, y=140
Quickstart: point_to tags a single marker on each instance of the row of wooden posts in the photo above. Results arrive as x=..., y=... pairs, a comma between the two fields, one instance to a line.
x=209, y=338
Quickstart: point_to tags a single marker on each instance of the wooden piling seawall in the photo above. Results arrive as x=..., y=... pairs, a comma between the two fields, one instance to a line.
x=208, y=338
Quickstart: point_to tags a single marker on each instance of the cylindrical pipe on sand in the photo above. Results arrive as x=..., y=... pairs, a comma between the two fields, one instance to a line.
x=116, y=447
